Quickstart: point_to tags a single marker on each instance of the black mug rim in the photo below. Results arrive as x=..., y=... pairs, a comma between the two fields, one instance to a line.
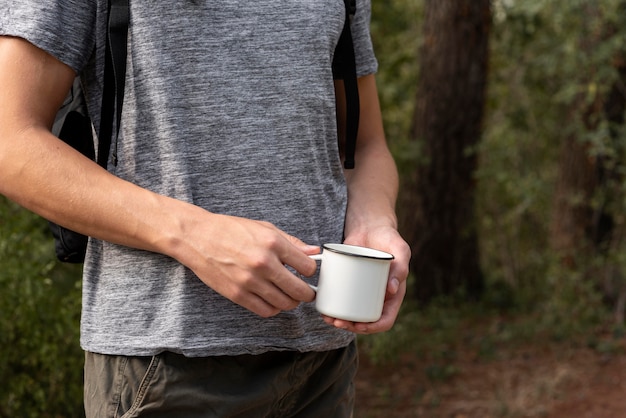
x=385, y=255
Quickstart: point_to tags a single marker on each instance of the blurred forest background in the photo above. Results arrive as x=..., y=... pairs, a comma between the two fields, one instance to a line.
x=506, y=118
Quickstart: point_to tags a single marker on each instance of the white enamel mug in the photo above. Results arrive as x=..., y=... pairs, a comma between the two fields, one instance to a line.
x=352, y=282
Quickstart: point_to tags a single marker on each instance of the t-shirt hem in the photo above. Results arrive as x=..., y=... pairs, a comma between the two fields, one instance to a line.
x=232, y=349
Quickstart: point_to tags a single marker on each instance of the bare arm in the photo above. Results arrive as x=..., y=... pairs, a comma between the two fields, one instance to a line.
x=372, y=191
x=48, y=177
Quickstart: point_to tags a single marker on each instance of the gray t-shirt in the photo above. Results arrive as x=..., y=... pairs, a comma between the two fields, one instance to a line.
x=229, y=106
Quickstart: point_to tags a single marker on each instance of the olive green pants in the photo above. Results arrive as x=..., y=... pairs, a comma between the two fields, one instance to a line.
x=274, y=384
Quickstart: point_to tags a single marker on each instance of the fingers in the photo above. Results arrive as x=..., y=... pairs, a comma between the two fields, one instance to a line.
x=300, y=262
x=259, y=278
x=285, y=291
x=399, y=270
x=267, y=302
x=269, y=288
x=264, y=308
x=303, y=265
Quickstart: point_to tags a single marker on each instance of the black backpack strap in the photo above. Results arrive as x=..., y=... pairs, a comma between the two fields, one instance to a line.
x=114, y=78
x=344, y=67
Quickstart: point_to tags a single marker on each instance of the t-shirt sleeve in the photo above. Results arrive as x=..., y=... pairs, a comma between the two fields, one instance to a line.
x=63, y=28
x=366, y=62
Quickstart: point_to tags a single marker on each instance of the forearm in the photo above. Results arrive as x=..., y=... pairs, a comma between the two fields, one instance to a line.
x=48, y=177
x=372, y=191
x=45, y=175
x=373, y=183
x=371, y=221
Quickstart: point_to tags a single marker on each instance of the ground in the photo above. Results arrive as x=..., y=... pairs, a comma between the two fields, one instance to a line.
x=534, y=379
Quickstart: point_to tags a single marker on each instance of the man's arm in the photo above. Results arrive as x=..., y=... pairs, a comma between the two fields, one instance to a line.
x=45, y=175
x=372, y=191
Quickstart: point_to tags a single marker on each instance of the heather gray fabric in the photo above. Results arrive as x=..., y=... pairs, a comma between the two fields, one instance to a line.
x=229, y=105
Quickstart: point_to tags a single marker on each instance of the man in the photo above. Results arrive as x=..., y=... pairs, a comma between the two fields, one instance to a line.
x=226, y=175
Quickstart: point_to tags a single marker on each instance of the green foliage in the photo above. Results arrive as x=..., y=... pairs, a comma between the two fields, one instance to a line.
x=547, y=57
x=41, y=366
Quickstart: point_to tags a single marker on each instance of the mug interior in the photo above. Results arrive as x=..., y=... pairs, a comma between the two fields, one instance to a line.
x=355, y=250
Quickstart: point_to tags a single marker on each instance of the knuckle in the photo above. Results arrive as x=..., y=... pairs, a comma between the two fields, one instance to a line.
x=288, y=305
x=272, y=241
x=403, y=271
x=238, y=295
x=246, y=281
x=259, y=263
x=268, y=312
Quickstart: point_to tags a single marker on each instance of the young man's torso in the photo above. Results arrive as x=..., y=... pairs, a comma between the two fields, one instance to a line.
x=227, y=106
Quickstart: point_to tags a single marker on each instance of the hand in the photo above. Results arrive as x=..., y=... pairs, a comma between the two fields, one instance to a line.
x=389, y=240
x=245, y=261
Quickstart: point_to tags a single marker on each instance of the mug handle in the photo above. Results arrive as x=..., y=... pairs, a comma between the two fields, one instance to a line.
x=316, y=257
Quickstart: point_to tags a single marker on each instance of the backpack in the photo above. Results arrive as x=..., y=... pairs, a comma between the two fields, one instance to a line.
x=73, y=126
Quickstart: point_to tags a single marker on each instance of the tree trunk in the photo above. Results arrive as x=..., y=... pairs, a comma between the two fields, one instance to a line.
x=572, y=225
x=578, y=225
x=437, y=204
x=587, y=223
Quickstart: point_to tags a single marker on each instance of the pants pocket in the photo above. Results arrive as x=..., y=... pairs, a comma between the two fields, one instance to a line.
x=136, y=378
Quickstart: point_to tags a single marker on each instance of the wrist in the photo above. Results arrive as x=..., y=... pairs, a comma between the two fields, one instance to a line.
x=371, y=220
x=175, y=235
